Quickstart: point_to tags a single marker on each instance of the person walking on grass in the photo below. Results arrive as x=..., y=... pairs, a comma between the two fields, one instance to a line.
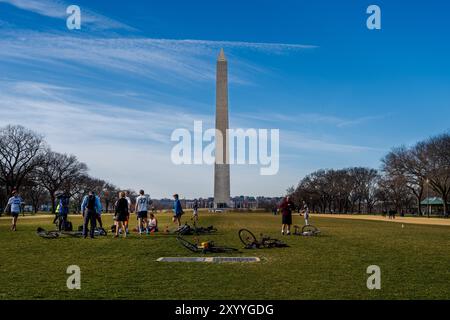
x=275, y=210
x=195, y=211
x=141, y=209
x=122, y=214
x=177, y=210
x=306, y=213
x=90, y=207
x=14, y=206
x=286, y=207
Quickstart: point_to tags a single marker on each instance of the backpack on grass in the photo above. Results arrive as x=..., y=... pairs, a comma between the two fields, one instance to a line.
x=68, y=226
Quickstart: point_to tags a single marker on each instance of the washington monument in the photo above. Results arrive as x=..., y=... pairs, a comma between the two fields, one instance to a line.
x=222, y=166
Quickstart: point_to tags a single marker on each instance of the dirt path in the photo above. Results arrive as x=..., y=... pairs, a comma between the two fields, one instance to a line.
x=43, y=216
x=413, y=220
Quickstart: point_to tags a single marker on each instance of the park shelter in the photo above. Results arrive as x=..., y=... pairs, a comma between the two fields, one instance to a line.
x=435, y=203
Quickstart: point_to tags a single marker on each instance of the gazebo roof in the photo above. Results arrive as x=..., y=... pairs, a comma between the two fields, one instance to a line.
x=432, y=201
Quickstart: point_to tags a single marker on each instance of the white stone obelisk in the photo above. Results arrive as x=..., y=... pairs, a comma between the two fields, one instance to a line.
x=222, y=166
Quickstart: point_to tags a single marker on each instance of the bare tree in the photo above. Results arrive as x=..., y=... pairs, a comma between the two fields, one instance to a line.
x=402, y=162
x=81, y=185
x=339, y=190
x=110, y=195
x=20, y=154
x=394, y=192
x=34, y=193
x=365, y=182
x=59, y=173
x=434, y=158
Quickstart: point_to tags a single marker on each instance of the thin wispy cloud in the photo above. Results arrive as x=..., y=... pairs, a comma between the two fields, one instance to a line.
x=57, y=9
x=362, y=120
x=302, y=143
x=56, y=107
x=161, y=60
x=268, y=47
x=153, y=124
x=312, y=119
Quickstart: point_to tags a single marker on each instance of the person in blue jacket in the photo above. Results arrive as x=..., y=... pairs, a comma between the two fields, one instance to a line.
x=177, y=210
x=91, y=208
x=63, y=211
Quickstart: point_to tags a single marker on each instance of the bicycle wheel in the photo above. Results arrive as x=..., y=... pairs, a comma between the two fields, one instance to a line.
x=310, y=229
x=247, y=237
x=190, y=246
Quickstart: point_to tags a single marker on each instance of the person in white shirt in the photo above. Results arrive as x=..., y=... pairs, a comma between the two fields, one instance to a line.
x=152, y=223
x=141, y=208
x=306, y=213
x=15, y=207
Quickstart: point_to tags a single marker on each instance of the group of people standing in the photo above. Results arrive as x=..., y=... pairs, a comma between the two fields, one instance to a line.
x=91, y=208
x=123, y=208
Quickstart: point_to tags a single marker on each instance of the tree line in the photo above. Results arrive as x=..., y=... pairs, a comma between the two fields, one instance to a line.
x=406, y=177
x=28, y=165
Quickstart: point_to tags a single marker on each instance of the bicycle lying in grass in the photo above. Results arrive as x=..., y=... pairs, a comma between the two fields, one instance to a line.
x=74, y=234
x=306, y=231
x=204, y=247
x=188, y=230
x=250, y=242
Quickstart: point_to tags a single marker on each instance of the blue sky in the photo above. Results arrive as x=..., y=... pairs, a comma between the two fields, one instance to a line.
x=112, y=92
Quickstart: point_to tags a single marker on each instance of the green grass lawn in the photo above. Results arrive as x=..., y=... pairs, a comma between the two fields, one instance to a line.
x=414, y=262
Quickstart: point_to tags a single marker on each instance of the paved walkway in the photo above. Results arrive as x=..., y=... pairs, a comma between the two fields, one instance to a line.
x=413, y=220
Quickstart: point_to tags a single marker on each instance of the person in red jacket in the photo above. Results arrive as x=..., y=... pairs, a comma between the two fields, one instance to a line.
x=286, y=208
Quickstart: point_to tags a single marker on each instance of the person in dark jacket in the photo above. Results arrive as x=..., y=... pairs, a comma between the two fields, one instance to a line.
x=275, y=210
x=90, y=208
x=195, y=211
x=122, y=214
x=63, y=211
x=286, y=207
x=177, y=210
